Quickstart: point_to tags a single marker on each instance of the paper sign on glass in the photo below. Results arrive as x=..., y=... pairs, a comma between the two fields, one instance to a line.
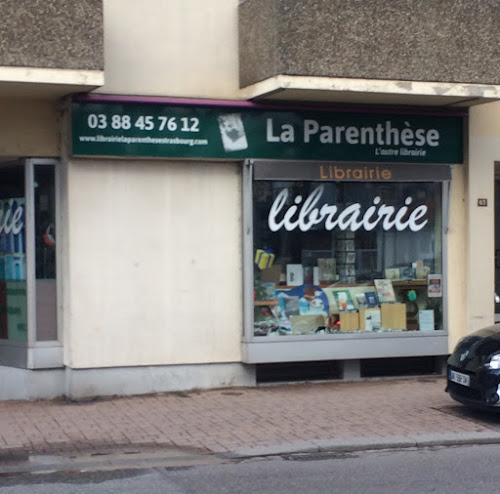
x=434, y=286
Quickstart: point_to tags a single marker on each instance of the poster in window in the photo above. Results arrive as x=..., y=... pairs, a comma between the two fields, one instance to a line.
x=434, y=285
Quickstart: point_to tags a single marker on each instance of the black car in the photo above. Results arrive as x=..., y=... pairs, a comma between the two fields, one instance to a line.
x=474, y=369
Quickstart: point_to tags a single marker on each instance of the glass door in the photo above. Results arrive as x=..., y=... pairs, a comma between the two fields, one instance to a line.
x=28, y=286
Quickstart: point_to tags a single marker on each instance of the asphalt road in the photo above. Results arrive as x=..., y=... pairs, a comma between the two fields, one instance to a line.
x=464, y=469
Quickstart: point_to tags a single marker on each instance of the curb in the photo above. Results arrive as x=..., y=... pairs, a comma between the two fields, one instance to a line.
x=175, y=458
x=370, y=443
x=47, y=464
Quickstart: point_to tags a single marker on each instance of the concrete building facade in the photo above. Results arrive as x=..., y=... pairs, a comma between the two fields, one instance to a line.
x=207, y=196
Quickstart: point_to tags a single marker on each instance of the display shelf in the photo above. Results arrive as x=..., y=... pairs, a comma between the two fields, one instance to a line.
x=338, y=285
x=409, y=283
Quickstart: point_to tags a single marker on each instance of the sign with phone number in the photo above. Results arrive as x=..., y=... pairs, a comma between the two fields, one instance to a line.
x=233, y=133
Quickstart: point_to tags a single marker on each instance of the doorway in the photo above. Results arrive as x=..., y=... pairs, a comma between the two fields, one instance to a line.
x=28, y=287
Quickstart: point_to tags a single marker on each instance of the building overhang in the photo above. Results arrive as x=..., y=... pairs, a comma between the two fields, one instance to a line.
x=339, y=90
x=47, y=83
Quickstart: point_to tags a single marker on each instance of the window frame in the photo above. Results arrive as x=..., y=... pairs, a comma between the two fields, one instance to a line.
x=258, y=349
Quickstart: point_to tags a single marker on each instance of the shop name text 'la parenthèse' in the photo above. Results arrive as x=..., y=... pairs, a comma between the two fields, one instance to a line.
x=378, y=135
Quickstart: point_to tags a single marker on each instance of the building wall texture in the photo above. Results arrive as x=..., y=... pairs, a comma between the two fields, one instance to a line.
x=173, y=48
x=154, y=271
x=28, y=128
x=405, y=40
x=59, y=34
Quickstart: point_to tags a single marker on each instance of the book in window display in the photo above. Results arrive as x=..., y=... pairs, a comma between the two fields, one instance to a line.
x=264, y=290
x=347, y=270
x=327, y=271
x=316, y=275
x=371, y=299
x=407, y=273
x=344, y=300
x=311, y=275
x=266, y=313
x=292, y=307
x=294, y=274
x=266, y=320
x=361, y=300
x=392, y=274
x=385, y=291
x=349, y=245
x=350, y=257
x=371, y=319
x=341, y=257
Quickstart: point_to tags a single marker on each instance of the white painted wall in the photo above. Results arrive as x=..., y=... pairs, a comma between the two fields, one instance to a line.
x=151, y=278
x=484, y=150
x=174, y=48
x=457, y=256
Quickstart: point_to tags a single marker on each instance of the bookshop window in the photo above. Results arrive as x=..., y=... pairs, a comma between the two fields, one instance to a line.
x=331, y=257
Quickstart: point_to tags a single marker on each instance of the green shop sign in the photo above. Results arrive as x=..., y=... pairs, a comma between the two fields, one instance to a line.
x=234, y=133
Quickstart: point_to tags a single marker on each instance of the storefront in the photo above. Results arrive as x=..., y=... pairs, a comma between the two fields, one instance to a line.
x=29, y=171
x=344, y=216
x=349, y=259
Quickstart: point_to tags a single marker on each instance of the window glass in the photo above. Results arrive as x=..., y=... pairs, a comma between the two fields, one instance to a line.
x=331, y=257
x=45, y=252
x=13, y=324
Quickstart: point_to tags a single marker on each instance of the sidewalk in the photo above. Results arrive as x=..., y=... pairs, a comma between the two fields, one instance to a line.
x=240, y=422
